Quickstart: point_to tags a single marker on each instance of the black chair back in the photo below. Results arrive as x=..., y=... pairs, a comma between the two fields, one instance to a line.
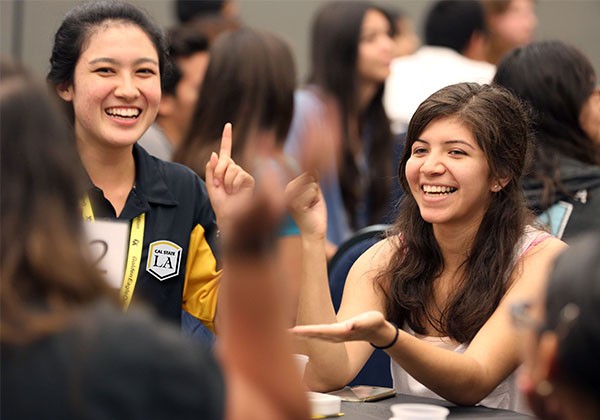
x=377, y=369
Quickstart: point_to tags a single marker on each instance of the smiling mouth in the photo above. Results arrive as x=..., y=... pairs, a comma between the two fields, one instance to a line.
x=127, y=113
x=437, y=190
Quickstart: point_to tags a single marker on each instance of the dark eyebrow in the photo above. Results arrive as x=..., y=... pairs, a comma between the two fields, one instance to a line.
x=448, y=142
x=115, y=62
x=460, y=142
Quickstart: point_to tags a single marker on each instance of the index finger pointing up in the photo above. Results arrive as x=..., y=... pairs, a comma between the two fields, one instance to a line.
x=226, y=142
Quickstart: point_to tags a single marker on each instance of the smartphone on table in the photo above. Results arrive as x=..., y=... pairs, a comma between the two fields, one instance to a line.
x=361, y=393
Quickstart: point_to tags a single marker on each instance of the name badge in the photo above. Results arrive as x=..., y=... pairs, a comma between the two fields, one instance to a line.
x=107, y=243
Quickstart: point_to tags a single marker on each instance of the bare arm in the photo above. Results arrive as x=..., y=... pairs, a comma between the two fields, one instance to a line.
x=461, y=378
x=254, y=349
x=493, y=354
x=331, y=365
x=289, y=257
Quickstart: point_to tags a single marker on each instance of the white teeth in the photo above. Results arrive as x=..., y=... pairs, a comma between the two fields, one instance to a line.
x=438, y=189
x=123, y=112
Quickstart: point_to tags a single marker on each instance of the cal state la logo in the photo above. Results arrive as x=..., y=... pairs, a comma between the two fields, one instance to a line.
x=164, y=258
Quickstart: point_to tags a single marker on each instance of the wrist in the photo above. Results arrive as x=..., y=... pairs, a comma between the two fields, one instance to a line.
x=388, y=338
x=311, y=238
x=248, y=245
x=239, y=243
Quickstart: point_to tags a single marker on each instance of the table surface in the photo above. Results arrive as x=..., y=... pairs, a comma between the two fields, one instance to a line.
x=380, y=410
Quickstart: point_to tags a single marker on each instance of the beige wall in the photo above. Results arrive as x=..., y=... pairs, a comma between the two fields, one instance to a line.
x=574, y=21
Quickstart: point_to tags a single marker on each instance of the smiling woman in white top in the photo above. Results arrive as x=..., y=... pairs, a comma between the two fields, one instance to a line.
x=434, y=293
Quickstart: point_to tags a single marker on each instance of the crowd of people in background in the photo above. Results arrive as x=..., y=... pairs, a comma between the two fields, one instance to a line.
x=478, y=147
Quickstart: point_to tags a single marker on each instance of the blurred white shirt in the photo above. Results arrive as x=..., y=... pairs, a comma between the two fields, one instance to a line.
x=156, y=143
x=414, y=77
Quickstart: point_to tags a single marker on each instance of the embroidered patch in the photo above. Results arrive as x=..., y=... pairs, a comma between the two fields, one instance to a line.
x=164, y=258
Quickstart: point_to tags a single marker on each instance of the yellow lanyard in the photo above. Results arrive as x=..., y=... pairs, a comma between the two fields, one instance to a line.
x=134, y=253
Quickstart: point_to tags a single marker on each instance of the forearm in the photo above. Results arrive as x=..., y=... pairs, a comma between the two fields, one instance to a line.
x=492, y=355
x=328, y=366
x=459, y=378
x=315, y=305
x=289, y=251
x=253, y=344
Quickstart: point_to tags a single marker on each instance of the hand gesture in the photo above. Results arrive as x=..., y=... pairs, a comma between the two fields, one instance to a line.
x=306, y=204
x=256, y=227
x=230, y=188
x=369, y=326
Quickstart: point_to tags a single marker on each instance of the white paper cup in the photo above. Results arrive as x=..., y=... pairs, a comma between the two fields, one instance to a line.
x=323, y=404
x=419, y=412
x=301, y=361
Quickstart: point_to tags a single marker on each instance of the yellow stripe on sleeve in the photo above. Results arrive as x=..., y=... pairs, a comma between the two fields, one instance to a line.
x=202, y=279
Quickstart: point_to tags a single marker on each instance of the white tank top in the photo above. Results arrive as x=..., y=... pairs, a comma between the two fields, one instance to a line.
x=506, y=395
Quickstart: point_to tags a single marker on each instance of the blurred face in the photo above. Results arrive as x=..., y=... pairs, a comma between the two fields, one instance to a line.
x=193, y=69
x=589, y=117
x=116, y=88
x=517, y=24
x=406, y=40
x=540, y=348
x=375, y=48
x=449, y=176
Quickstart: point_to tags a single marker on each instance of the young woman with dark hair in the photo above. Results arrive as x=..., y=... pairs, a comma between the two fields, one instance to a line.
x=106, y=65
x=434, y=293
x=250, y=81
x=339, y=123
x=69, y=351
x=564, y=181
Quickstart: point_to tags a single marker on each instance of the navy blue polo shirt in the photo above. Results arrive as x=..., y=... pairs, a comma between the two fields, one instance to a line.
x=178, y=267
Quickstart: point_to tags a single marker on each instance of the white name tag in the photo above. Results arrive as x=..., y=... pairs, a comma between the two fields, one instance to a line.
x=107, y=242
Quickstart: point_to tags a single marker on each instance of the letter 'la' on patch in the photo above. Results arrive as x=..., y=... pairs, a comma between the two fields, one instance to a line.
x=164, y=258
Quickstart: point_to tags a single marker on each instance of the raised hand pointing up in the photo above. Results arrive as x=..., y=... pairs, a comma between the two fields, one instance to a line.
x=230, y=188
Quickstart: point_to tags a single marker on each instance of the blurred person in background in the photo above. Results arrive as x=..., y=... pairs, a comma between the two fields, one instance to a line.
x=563, y=184
x=406, y=40
x=188, y=52
x=339, y=124
x=510, y=24
x=250, y=82
x=453, y=53
x=189, y=10
x=209, y=17
x=69, y=351
x=561, y=335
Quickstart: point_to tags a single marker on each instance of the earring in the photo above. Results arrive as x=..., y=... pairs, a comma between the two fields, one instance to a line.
x=496, y=187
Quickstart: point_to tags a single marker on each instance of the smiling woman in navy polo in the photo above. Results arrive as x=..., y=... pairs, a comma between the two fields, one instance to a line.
x=107, y=62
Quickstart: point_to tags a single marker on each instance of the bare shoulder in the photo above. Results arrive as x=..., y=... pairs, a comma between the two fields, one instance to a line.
x=532, y=270
x=547, y=249
x=361, y=290
x=376, y=258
